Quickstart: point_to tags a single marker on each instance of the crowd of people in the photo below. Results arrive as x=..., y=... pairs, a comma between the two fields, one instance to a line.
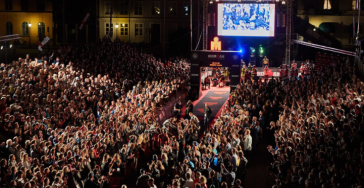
x=88, y=116
x=84, y=115
x=313, y=125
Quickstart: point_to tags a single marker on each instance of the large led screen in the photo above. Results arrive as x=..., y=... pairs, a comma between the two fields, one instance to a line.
x=243, y=19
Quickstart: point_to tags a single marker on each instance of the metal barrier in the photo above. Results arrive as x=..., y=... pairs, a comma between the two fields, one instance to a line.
x=166, y=111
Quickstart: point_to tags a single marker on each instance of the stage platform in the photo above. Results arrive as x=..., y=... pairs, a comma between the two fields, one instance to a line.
x=273, y=71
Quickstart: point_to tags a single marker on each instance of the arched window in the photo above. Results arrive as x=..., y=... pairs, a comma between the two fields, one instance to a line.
x=41, y=28
x=9, y=28
x=25, y=29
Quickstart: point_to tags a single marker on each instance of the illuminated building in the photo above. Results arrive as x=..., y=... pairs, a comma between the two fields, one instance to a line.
x=28, y=18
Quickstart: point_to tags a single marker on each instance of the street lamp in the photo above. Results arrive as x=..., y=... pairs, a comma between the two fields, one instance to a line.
x=30, y=25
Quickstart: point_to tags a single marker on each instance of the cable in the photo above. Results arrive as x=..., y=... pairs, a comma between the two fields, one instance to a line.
x=198, y=41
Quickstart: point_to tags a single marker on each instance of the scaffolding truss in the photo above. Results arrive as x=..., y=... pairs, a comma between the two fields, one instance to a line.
x=288, y=32
x=205, y=4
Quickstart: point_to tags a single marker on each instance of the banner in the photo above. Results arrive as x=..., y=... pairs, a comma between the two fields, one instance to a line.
x=84, y=21
x=43, y=43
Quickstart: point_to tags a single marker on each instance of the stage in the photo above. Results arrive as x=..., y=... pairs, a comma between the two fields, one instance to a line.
x=273, y=71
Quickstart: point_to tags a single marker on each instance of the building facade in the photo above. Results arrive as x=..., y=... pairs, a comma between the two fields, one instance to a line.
x=28, y=18
x=334, y=17
x=146, y=21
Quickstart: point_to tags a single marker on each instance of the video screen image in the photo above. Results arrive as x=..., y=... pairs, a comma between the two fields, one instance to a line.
x=240, y=19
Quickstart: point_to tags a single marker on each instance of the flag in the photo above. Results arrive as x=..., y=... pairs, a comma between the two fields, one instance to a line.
x=44, y=42
x=84, y=21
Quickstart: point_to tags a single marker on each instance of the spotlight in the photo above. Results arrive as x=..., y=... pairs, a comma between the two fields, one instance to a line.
x=277, y=1
x=117, y=26
x=314, y=29
x=252, y=50
x=11, y=45
x=211, y=2
x=283, y=2
x=239, y=1
x=217, y=0
x=1, y=47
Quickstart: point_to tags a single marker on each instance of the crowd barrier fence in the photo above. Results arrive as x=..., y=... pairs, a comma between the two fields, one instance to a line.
x=166, y=111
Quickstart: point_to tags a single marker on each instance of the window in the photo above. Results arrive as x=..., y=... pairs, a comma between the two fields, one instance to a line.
x=156, y=8
x=24, y=4
x=25, y=29
x=186, y=8
x=108, y=7
x=124, y=8
x=109, y=29
x=8, y=5
x=9, y=28
x=124, y=29
x=327, y=4
x=354, y=4
x=41, y=5
x=138, y=8
x=138, y=29
x=41, y=28
x=172, y=8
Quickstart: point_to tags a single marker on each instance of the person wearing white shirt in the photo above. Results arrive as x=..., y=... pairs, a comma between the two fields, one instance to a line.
x=189, y=181
x=194, y=118
x=234, y=158
x=151, y=183
x=247, y=141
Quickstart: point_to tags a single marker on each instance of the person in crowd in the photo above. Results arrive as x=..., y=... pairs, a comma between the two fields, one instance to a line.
x=207, y=114
x=82, y=122
x=194, y=118
x=188, y=109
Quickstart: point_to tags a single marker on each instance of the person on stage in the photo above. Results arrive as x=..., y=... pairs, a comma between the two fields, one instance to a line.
x=302, y=70
x=266, y=73
x=215, y=80
x=294, y=66
x=265, y=62
x=213, y=71
x=254, y=74
x=243, y=72
x=280, y=72
x=250, y=67
x=222, y=81
x=305, y=70
x=248, y=74
x=292, y=73
x=207, y=82
x=285, y=70
x=308, y=68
